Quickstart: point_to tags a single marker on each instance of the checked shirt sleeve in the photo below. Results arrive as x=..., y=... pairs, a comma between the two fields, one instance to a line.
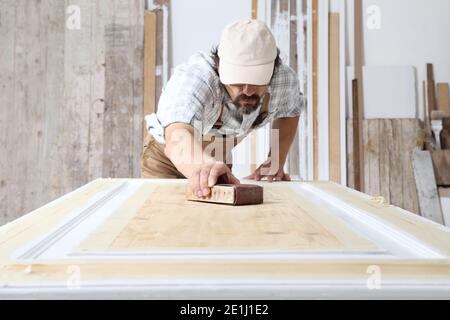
x=289, y=99
x=184, y=98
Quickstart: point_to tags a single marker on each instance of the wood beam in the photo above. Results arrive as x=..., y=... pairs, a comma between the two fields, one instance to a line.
x=359, y=108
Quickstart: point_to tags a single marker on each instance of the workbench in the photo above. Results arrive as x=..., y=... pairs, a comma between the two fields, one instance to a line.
x=135, y=238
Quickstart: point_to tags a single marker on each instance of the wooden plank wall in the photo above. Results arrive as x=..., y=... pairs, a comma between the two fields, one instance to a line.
x=441, y=164
x=70, y=100
x=388, y=146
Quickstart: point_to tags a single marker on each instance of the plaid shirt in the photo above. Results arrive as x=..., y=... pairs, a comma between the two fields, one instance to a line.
x=195, y=95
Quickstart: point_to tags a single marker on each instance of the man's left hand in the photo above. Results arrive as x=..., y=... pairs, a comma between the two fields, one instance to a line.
x=278, y=175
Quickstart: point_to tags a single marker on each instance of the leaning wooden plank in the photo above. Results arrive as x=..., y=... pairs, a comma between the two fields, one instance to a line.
x=358, y=23
x=441, y=163
x=334, y=110
x=137, y=9
x=358, y=146
x=443, y=99
x=444, y=194
x=149, y=65
x=385, y=164
x=372, y=153
x=431, y=90
x=366, y=164
x=445, y=135
x=350, y=157
x=430, y=206
x=359, y=107
x=410, y=133
x=254, y=9
x=162, y=9
x=427, y=139
x=395, y=177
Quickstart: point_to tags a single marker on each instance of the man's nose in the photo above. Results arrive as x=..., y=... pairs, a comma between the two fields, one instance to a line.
x=249, y=90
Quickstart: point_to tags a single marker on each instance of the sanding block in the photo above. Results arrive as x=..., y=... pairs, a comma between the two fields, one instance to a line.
x=236, y=195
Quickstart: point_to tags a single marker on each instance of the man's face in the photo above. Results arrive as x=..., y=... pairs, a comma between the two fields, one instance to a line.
x=246, y=97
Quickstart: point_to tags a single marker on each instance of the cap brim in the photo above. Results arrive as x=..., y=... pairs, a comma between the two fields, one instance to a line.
x=234, y=74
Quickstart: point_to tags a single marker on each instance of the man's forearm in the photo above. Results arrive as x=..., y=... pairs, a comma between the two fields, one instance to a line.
x=183, y=150
x=201, y=169
x=287, y=129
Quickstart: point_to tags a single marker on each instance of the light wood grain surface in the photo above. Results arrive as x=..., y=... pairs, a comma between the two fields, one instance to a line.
x=146, y=235
x=167, y=221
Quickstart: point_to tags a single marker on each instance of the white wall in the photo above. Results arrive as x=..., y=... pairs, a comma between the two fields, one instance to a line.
x=413, y=32
x=198, y=24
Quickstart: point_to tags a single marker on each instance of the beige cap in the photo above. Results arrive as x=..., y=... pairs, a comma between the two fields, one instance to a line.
x=247, y=53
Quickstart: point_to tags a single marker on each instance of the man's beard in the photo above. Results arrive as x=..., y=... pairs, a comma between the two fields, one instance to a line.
x=246, y=104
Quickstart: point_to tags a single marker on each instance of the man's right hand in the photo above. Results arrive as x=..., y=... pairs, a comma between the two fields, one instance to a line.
x=207, y=175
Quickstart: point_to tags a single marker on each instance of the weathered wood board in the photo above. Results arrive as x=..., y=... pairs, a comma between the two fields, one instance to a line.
x=443, y=99
x=427, y=189
x=71, y=106
x=388, y=147
x=138, y=238
x=444, y=195
x=441, y=165
x=334, y=111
